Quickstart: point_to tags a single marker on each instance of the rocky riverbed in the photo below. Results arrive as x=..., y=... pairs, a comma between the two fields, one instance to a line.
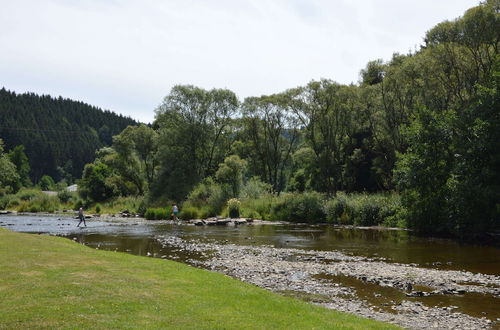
x=335, y=280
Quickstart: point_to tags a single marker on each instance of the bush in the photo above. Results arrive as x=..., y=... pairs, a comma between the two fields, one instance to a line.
x=98, y=208
x=298, y=207
x=28, y=194
x=259, y=208
x=129, y=203
x=44, y=203
x=4, y=200
x=156, y=214
x=78, y=203
x=254, y=188
x=208, y=195
x=188, y=213
x=335, y=207
x=46, y=183
x=233, y=207
x=13, y=202
x=141, y=209
x=64, y=196
x=363, y=209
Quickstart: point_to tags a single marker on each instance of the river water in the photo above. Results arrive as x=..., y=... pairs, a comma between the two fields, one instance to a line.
x=391, y=247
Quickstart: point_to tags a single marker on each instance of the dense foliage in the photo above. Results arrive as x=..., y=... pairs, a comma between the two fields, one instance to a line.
x=415, y=143
x=59, y=135
x=424, y=124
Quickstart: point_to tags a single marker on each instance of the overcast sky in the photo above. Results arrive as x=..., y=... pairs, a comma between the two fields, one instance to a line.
x=125, y=55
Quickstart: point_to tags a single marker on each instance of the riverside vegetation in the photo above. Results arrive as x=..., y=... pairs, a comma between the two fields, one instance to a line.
x=416, y=144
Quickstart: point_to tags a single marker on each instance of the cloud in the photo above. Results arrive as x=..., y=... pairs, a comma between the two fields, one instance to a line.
x=126, y=55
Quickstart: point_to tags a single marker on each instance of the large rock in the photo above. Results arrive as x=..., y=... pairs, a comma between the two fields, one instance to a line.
x=196, y=222
x=210, y=222
x=223, y=222
x=239, y=221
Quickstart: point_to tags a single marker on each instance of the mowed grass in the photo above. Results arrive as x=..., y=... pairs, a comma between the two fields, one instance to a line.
x=52, y=282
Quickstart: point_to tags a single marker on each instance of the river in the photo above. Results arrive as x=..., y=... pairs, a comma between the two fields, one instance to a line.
x=389, y=275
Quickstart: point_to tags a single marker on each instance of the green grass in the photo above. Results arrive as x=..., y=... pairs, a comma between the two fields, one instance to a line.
x=52, y=282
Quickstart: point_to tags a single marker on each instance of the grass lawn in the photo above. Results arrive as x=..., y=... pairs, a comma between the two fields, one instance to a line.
x=52, y=282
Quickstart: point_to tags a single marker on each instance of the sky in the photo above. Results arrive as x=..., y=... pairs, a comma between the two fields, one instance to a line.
x=126, y=55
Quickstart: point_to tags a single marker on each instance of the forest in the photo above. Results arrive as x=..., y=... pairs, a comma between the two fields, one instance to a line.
x=59, y=135
x=415, y=143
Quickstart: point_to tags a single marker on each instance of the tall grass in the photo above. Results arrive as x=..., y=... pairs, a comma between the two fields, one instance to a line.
x=34, y=200
x=364, y=209
x=156, y=214
x=131, y=204
x=298, y=207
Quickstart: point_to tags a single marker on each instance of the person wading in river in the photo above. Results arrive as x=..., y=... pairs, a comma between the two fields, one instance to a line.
x=81, y=217
x=175, y=210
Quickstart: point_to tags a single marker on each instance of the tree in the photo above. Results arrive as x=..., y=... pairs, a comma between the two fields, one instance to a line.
x=449, y=174
x=46, y=183
x=373, y=73
x=133, y=156
x=231, y=172
x=193, y=136
x=55, y=130
x=95, y=184
x=273, y=132
x=65, y=172
x=9, y=177
x=327, y=111
x=20, y=160
x=423, y=171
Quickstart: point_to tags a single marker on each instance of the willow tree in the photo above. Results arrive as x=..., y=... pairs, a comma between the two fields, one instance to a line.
x=329, y=114
x=193, y=136
x=273, y=134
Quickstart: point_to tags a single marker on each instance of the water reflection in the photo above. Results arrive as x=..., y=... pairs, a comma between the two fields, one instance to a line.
x=137, y=236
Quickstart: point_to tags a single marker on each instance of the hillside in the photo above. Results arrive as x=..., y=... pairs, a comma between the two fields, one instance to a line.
x=56, y=132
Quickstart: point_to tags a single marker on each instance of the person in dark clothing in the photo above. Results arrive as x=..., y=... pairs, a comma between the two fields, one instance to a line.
x=81, y=217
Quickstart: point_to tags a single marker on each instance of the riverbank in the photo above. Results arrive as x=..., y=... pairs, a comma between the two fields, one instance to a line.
x=52, y=282
x=403, y=294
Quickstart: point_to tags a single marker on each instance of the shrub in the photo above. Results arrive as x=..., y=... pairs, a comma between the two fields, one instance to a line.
x=363, y=209
x=254, y=188
x=46, y=183
x=141, y=209
x=209, y=194
x=233, y=207
x=4, y=200
x=259, y=208
x=335, y=207
x=78, y=203
x=299, y=207
x=64, y=196
x=98, y=208
x=28, y=194
x=188, y=213
x=13, y=202
x=43, y=203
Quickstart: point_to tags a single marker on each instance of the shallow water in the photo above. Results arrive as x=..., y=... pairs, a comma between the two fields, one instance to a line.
x=139, y=237
x=389, y=245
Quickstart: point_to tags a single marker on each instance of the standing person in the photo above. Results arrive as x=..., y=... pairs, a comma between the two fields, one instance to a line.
x=81, y=216
x=175, y=211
